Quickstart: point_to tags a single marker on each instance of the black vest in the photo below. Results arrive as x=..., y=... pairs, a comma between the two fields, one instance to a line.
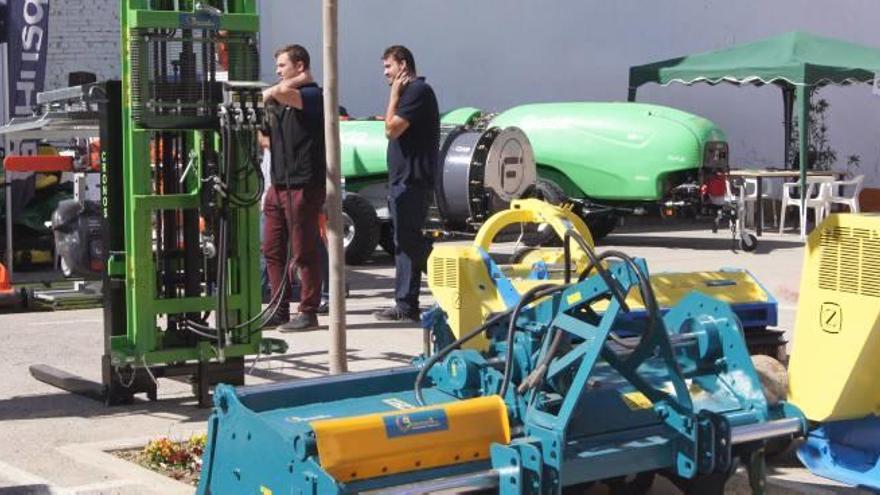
x=298, y=156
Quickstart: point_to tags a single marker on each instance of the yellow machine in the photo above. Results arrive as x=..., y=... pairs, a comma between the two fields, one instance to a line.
x=461, y=278
x=834, y=366
x=834, y=371
x=470, y=286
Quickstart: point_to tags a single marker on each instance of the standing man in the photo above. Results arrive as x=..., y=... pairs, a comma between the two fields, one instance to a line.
x=295, y=110
x=412, y=126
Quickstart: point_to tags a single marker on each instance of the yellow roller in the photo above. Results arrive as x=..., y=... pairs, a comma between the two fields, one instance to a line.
x=380, y=444
x=731, y=287
x=461, y=284
x=835, y=358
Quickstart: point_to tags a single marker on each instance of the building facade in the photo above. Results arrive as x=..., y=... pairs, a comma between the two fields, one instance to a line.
x=494, y=54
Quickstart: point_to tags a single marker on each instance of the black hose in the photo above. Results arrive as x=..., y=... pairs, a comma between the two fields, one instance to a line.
x=536, y=377
x=648, y=297
x=594, y=261
x=224, y=176
x=449, y=348
x=530, y=295
x=645, y=290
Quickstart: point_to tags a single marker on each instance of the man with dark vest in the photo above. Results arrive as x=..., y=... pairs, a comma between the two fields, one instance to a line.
x=412, y=126
x=294, y=201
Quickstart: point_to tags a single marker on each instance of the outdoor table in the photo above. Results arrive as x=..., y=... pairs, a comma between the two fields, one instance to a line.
x=760, y=174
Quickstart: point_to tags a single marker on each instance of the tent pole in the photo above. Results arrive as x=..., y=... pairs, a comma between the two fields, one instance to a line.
x=787, y=111
x=337, y=351
x=631, y=95
x=803, y=99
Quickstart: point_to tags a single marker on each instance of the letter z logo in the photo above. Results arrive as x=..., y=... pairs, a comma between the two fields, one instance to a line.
x=830, y=317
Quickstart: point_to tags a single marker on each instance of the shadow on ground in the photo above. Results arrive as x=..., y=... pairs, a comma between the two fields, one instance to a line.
x=63, y=404
x=720, y=243
x=27, y=490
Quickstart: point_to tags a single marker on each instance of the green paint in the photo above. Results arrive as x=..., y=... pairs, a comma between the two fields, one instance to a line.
x=613, y=151
x=606, y=151
x=144, y=339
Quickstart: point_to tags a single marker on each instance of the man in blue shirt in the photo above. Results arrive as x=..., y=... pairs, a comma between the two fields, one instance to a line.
x=298, y=171
x=412, y=126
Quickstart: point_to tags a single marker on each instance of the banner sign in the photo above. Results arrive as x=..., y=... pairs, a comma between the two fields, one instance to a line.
x=3, y=16
x=27, y=25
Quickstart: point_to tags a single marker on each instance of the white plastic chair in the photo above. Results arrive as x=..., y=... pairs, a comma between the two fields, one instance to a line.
x=839, y=194
x=818, y=195
x=751, y=198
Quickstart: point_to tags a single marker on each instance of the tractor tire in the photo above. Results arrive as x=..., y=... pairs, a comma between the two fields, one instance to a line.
x=544, y=235
x=548, y=191
x=386, y=238
x=601, y=227
x=360, y=228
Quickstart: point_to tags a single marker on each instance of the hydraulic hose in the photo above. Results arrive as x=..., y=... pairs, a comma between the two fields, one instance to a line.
x=530, y=296
x=434, y=359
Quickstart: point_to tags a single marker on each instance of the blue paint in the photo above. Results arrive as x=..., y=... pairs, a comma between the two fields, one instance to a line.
x=505, y=287
x=845, y=451
x=417, y=423
x=199, y=20
x=692, y=381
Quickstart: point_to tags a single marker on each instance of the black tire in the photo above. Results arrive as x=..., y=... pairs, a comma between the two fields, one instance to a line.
x=360, y=228
x=544, y=235
x=547, y=190
x=601, y=226
x=748, y=243
x=520, y=254
x=386, y=238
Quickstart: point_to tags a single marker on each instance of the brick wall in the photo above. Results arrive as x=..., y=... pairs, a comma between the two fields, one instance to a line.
x=83, y=36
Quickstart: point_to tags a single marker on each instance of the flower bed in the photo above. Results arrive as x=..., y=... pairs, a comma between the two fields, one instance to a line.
x=180, y=460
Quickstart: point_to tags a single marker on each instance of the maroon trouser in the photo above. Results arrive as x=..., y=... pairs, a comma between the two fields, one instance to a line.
x=291, y=215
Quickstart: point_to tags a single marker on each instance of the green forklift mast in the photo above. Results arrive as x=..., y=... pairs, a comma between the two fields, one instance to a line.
x=182, y=184
x=180, y=189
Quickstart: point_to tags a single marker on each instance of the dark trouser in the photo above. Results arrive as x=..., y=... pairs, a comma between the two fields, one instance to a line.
x=325, y=269
x=408, y=206
x=292, y=216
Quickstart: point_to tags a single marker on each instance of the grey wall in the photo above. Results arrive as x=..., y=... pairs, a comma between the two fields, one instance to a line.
x=494, y=54
x=83, y=36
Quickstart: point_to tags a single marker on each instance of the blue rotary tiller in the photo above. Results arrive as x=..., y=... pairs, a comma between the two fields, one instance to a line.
x=556, y=400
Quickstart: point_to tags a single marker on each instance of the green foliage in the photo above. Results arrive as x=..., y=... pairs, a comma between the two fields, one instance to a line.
x=820, y=154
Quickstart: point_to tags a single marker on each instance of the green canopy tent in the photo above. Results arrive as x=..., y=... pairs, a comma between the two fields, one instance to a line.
x=796, y=62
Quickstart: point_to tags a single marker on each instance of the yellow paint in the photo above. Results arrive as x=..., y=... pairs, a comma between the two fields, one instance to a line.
x=265, y=491
x=835, y=358
x=573, y=298
x=361, y=447
x=461, y=285
x=536, y=212
x=636, y=401
x=460, y=281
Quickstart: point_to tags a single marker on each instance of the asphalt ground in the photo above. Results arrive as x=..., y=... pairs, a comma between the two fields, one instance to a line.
x=54, y=442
